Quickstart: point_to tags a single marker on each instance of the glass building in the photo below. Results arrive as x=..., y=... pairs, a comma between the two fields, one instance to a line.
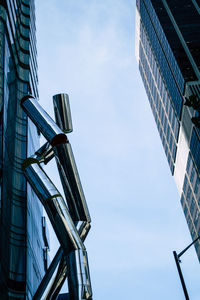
x=168, y=54
x=23, y=238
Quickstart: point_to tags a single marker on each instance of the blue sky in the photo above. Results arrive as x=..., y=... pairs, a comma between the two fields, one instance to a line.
x=86, y=49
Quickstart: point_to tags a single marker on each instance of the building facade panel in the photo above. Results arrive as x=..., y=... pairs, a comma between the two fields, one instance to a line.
x=162, y=107
x=168, y=46
x=21, y=241
x=153, y=33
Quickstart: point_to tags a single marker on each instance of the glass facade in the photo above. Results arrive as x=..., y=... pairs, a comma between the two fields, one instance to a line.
x=22, y=263
x=159, y=98
x=168, y=46
x=173, y=80
x=184, y=14
x=190, y=200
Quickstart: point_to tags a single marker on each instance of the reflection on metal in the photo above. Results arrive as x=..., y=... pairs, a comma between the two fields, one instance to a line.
x=66, y=160
x=43, y=121
x=69, y=217
x=45, y=233
x=45, y=153
x=58, y=281
x=47, y=277
x=83, y=229
x=62, y=112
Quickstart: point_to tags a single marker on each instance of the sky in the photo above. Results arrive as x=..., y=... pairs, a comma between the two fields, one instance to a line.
x=86, y=49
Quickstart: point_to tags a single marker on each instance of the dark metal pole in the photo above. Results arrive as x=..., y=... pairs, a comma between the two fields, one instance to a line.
x=182, y=252
x=181, y=275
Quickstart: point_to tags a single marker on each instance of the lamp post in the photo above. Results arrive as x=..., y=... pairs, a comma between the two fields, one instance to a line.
x=177, y=260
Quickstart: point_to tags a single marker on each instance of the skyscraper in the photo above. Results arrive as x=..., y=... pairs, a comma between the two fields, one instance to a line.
x=168, y=53
x=23, y=239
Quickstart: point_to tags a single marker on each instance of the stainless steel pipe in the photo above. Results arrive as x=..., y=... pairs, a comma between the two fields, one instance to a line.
x=43, y=121
x=62, y=112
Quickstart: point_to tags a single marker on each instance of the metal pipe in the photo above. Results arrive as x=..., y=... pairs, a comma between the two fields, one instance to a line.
x=61, y=221
x=182, y=252
x=54, y=205
x=62, y=112
x=64, y=221
x=87, y=272
x=58, y=281
x=43, y=121
x=48, y=275
x=66, y=159
x=69, y=196
x=76, y=290
x=83, y=229
x=45, y=153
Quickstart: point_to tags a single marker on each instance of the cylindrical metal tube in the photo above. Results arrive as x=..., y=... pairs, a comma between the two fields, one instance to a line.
x=43, y=121
x=83, y=229
x=78, y=276
x=66, y=158
x=62, y=112
x=55, y=207
x=87, y=276
x=69, y=196
x=45, y=153
x=47, y=277
x=63, y=226
x=63, y=219
x=58, y=281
